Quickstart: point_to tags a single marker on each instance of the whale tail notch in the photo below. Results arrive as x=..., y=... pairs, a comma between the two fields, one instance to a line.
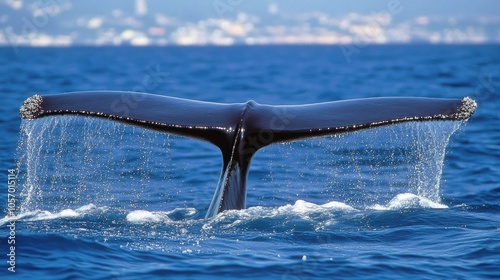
x=241, y=129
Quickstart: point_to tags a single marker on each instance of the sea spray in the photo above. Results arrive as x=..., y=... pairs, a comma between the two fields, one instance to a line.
x=70, y=161
x=361, y=168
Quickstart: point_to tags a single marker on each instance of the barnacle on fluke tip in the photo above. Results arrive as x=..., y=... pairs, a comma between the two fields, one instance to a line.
x=466, y=110
x=32, y=107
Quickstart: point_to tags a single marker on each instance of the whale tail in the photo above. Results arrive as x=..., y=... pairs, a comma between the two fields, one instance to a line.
x=241, y=129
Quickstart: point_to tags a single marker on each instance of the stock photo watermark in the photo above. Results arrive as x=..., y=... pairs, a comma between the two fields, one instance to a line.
x=151, y=81
x=12, y=199
x=379, y=20
x=222, y=7
x=280, y=120
x=486, y=87
x=41, y=14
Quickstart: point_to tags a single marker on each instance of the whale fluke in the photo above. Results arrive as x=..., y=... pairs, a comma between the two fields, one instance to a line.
x=241, y=129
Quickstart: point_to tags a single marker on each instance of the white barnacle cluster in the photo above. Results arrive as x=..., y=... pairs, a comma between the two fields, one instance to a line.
x=466, y=109
x=32, y=107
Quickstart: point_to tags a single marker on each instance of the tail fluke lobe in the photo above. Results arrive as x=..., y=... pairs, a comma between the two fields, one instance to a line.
x=240, y=130
x=212, y=122
x=287, y=123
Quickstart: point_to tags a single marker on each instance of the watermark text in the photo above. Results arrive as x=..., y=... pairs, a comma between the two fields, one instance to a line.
x=11, y=212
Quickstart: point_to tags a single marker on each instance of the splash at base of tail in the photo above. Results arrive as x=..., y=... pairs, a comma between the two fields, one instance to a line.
x=241, y=129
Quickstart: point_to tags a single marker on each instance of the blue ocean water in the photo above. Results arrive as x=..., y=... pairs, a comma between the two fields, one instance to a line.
x=104, y=200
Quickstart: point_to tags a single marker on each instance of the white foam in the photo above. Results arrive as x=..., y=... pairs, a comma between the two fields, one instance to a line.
x=304, y=207
x=143, y=216
x=8, y=219
x=38, y=215
x=408, y=201
x=185, y=211
x=66, y=213
x=137, y=216
x=301, y=209
x=321, y=215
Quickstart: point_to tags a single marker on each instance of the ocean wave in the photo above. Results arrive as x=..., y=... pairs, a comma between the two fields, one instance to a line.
x=37, y=215
x=319, y=216
x=144, y=216
x=408, y=201
x=300, y=210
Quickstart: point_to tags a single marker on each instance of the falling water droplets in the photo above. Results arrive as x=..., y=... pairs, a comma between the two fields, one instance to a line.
x=362, y=168
x=70, y=160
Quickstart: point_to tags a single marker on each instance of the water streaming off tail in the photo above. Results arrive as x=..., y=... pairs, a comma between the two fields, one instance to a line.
x=70, y=161
x=362, y=169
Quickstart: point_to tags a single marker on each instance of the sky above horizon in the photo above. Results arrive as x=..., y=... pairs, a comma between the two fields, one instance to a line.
x=229, y=22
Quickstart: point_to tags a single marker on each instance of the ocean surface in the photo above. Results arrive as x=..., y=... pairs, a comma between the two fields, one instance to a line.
x=97, y=199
